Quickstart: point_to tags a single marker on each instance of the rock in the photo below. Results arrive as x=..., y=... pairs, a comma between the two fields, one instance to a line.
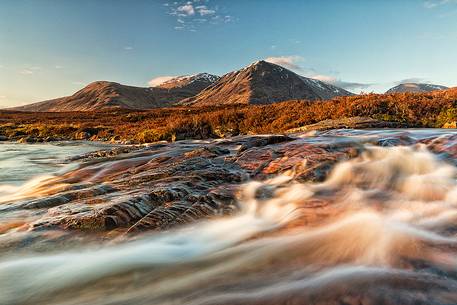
x=4, y=138
x=82, y=135
x=51, y=139
x=164, y=185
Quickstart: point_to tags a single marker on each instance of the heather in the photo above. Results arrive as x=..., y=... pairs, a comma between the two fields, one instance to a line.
x=426, y=110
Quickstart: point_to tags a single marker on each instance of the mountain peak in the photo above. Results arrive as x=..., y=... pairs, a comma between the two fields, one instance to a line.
x=260, y=64
x=263, y=82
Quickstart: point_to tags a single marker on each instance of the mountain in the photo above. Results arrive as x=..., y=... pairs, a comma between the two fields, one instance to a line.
x=263, y=83
x=103, y=94
x=415, y=87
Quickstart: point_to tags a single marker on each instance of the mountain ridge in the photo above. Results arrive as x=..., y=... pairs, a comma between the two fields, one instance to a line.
x=415, y=87
x=258, y=83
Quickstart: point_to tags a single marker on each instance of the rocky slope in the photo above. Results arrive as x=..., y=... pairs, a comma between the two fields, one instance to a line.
x=102, y=95
x=263, y=83
x=415, y=88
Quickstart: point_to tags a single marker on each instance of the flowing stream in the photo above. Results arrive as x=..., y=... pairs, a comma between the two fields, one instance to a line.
x=379, y=228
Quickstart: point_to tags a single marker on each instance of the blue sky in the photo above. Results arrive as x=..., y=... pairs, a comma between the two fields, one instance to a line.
x=52, y=48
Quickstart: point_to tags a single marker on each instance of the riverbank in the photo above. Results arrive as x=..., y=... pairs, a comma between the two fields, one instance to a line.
x=425, y=110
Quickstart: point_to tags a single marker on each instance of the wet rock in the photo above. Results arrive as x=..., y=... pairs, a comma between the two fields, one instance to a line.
x=131, y=189
x=352, y=122
x=4, y=138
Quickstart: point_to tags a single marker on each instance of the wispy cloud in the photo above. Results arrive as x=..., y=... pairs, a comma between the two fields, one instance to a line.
x=190, y=15
x=203, y=10
x=29, y=70
x=293, y=62
x=289, y=62
x=354, y=86
x=128, y=48
x=436, y=3
x=159, y=80
x=26, y=72
x=411, y=80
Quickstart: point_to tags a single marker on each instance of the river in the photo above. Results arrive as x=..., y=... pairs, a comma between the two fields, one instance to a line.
x=337, y=217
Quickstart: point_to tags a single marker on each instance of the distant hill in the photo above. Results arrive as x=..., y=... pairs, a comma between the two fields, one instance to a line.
x=263, y=83
x=415, y=87
x=103, y=94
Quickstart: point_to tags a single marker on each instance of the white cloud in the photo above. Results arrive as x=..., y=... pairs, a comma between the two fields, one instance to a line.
x=187, y=9
x=58, y=67
x=289, y=62
x=159, y=80
x=128, y=48
x=192, y=15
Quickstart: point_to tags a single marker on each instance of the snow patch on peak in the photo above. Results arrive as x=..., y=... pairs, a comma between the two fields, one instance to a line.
x=188, y=79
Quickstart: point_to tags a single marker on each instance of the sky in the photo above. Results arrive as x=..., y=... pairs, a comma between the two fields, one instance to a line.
x=52, y=48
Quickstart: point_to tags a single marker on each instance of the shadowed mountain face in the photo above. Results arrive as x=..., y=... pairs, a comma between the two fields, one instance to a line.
x=415, y=87
x=102, y=95
x=263, y=83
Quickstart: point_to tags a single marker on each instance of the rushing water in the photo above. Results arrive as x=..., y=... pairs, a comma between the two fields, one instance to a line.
x=21, y=162
x=24, y=165
x=381, y=228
